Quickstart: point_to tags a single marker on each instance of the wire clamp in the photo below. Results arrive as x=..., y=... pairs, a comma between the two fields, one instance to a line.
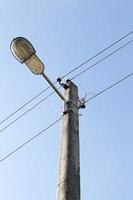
x=82, y=103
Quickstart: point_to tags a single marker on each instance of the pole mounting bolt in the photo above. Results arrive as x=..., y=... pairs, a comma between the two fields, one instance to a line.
x=59, y=80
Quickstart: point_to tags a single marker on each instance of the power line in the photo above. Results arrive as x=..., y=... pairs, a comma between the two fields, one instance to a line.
x=97, y=54
x=28, y=141
x=101, y=60
x=38, y=134
x=88, y=68
x=109, y=87
x=25, y=113
x=21, y=107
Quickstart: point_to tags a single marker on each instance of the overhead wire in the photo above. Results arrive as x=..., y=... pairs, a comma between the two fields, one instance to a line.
x=88, y=68
x=38, y=134
x=20, y=108
x=71, y=71
x=109, y=87
x=28, y=141
x=97, y=54
x=101, y=60
x=12, y=122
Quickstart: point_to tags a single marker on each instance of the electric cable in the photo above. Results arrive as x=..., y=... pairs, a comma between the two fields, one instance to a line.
x=28, y=141
x=109, y=87
x=12, y=122
x=88, y=68
x=97, y=54
x=20, y=108
x=38, y=134
x=101, y=60
x=71, y=71
x=35, y=136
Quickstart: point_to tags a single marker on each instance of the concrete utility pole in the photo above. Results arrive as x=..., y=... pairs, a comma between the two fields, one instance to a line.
x=69, y=169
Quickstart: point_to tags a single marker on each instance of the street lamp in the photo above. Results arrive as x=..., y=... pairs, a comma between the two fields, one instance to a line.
x=24, y=52
x=69, y=170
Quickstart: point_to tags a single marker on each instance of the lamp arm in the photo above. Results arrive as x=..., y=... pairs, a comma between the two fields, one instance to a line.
x=54, y=88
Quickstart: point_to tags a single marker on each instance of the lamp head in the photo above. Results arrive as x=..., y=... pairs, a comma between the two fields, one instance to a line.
x=24, y=52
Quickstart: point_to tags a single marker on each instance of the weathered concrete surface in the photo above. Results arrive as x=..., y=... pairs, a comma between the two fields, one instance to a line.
x=69, y=169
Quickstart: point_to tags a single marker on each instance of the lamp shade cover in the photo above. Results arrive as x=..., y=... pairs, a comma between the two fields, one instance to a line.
x=22, y=49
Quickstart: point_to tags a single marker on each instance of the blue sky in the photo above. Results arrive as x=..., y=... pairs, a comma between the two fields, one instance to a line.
x=66, y=33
